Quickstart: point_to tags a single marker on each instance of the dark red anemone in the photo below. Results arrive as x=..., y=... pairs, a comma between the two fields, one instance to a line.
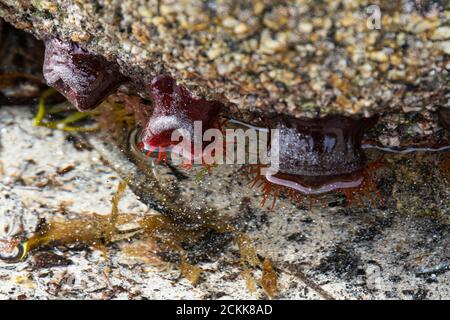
x=175, y=108
x=317, y=156
x=85, y=79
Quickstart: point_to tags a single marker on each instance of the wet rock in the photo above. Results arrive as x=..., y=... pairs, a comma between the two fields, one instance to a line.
x=341, y=261
x=236, y=56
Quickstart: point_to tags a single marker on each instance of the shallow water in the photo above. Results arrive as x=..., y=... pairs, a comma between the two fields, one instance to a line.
x=325, y=252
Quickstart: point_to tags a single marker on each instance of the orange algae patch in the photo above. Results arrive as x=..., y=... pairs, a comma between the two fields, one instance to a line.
x=145, y=251
x=189, y=271
x=249, y=261
x=250, y=281
x=269, y=279
x=247, y=251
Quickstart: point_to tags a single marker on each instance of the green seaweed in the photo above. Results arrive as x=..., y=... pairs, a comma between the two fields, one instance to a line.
x=64, y=124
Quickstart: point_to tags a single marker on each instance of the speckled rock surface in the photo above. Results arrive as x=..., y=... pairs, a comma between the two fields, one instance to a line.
x=296, y=57
x=397, y=251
